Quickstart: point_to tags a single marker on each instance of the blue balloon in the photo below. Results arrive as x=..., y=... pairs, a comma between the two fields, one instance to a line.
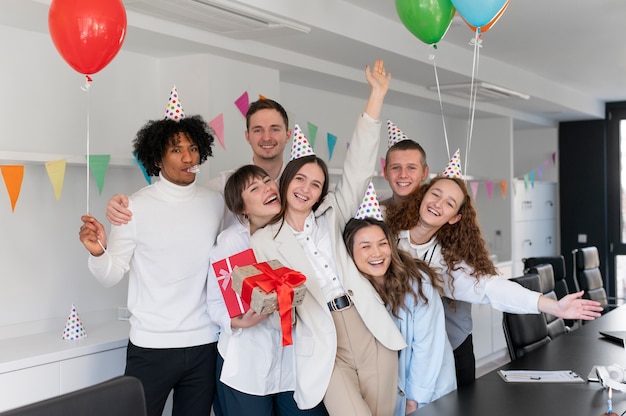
x=478, y=13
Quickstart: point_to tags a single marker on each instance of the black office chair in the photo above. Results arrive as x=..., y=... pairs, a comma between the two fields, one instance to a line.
x=525, y=332
x=120, y=396
x=556, y=325
x=589, y=277
x=561, y=286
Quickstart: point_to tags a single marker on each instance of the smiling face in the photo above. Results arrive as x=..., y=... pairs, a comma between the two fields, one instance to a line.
x=441, y=203
x=180, y=155
x=405, y=170
x=371, y=252
x=267, y=134
x=305, y=189
x=260, y=200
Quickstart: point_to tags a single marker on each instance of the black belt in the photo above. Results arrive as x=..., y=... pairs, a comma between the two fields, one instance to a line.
x=340, y=303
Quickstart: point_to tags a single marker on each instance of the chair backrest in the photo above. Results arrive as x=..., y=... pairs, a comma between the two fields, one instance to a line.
x=556, y=325
x=588, y=274
x=119, y=396
x=561, y=287
x=526, y=332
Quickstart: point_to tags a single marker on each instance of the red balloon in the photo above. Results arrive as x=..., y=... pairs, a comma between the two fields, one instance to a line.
x=87, y=33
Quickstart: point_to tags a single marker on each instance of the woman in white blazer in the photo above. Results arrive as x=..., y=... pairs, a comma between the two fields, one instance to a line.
x=345, y=341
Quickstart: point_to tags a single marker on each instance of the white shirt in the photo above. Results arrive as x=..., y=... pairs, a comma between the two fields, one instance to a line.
x=165, y=249
x=315, y=241
x=502, y=294
x=255, y=362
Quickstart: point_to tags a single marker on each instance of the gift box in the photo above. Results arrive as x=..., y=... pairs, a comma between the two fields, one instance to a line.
x=269, y=286
x=223, y=271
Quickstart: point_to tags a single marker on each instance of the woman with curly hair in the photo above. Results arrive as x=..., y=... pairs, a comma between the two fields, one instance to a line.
x=411, y=291
x=438, y=224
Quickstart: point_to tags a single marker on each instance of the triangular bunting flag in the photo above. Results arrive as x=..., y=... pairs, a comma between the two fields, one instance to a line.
x=98, y=164
x=474, y=186
x=143, y=169
x=312, y=128
x=217, y=124
x=532, y=178
x=503, y=186
x=540, y=172
x=489, y=186
x=546, y=163
x=526, y=181
x=382, y=164
x=242, y=103
x=56, y=174
x=13, y=176
x=332, y=141
x=553, y=158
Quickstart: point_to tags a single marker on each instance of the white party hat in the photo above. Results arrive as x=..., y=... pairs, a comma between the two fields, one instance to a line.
x=395, y=134
x=300, y=146
x=370, y=206
x=174, y=110
x=453, y=170
x=74, y=328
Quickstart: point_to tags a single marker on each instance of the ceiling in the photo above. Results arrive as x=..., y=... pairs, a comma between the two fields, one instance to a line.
x=569, y=57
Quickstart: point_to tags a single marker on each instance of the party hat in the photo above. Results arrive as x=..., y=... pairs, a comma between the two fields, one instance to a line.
x=370, y=206
x=395, y=134
x=453, y=170
x=174, y=110
x=300, y=146
x=74, y=327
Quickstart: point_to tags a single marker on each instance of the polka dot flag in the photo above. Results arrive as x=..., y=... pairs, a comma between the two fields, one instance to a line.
x=74, y=328
x=370, y=206
x=174, y=110
x=300, y=146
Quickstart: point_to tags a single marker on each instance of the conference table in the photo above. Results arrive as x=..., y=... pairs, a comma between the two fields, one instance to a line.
x=577, y=351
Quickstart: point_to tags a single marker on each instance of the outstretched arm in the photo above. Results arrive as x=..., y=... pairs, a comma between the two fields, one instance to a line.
x=117, y=210
x=571, y=307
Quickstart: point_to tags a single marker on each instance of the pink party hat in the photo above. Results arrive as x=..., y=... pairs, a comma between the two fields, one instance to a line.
x=370, y=206
x=395, y=134
x=300, y=146
x=453, y=170
x=74, y=327
x=174, y=110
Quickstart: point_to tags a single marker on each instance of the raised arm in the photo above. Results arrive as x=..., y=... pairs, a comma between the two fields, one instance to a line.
x=378, y=80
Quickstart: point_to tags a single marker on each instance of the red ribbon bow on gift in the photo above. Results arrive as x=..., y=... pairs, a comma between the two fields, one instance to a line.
x=282, y=280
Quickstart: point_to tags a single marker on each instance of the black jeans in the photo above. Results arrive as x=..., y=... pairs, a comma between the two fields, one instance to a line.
x=465, y=363
x=189, y=371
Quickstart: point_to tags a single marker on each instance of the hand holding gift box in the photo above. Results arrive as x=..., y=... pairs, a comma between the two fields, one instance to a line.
x=270, y=286
x=223, y=271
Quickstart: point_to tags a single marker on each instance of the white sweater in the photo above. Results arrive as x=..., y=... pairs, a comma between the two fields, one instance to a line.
x=165, y=248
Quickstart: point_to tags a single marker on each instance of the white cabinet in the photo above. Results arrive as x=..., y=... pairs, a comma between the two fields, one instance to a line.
x=39, y=366
x=534, y=231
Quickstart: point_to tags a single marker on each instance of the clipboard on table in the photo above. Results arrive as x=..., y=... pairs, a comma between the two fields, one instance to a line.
x=538, y=376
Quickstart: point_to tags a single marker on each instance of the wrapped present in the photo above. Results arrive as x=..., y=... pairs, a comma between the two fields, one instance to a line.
x=223, y=271
x=269, y=286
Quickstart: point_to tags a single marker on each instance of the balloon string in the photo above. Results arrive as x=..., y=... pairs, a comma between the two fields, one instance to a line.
x=86, y=89
x=473, y=94
x=443, y=120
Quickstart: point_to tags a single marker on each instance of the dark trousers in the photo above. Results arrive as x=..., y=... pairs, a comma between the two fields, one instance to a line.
x=189, y=371
x=235, y=403
x=465, y=363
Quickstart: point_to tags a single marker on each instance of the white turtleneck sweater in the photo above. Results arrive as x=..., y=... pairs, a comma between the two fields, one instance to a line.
x=165, y=248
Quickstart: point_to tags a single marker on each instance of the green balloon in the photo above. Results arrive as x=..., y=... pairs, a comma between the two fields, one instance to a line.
x=428, y=20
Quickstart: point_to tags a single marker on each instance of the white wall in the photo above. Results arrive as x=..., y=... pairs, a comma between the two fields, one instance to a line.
x=531, y=148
